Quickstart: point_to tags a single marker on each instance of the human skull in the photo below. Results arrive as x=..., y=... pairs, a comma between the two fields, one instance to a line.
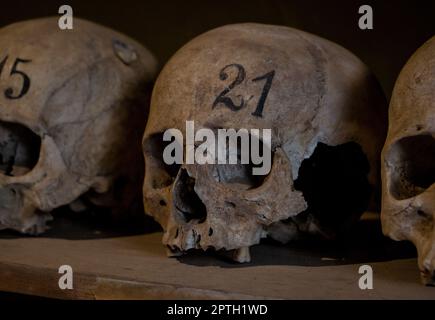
x=69, y=104
x=327, y=116
x=408, y=160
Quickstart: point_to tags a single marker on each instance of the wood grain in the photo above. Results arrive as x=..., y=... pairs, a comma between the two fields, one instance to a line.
x=136, y=267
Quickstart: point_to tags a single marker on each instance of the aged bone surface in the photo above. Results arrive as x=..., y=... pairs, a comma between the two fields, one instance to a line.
x=408, y=160
x=72, y=107
x=327, y=114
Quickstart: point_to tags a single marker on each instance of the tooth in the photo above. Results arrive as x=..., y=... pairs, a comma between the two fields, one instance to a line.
x=241, y=255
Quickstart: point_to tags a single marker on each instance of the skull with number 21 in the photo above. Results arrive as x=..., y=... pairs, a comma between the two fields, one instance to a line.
x=327, y=117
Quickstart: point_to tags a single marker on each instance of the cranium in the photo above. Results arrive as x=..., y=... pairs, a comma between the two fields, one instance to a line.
x=327, y=116
x=68, y=104
x=408, y=160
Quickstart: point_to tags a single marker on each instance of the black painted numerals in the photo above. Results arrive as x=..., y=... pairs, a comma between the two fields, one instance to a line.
x=16, y=72
x=240, y=77
x=221, y=98
x=268, y=84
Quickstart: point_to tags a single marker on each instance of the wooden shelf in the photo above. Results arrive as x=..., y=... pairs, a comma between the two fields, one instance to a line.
x=136, y=267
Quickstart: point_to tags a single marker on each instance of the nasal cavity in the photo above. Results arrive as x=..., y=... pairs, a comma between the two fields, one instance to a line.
x=186, y=201
x=334, y=183
x=412, y=166
x=19, y=149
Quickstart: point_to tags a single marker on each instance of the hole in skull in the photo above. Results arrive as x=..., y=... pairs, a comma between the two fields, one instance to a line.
x=335, y=185
x=186, y=201
x=19, y=149
x=240, y=176
x=412, y=162
x=162, y=174
x=423, y=214
x=230, y=204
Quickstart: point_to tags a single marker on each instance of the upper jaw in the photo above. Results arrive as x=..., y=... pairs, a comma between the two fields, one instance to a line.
x=18, y=212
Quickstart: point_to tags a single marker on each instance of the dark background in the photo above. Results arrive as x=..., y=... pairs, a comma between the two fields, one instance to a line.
x=400, y=27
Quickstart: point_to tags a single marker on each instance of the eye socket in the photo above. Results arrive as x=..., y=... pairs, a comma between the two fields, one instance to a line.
x=412, y=162
x=19, y=149
x=334, y=183
x=162, y=174
x=240, y=176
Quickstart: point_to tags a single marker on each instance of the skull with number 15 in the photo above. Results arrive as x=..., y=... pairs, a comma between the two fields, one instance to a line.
x=73, y=106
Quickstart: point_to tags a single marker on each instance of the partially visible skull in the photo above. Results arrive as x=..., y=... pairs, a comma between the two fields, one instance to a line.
x=327, y=116
x=408, y=160
x=72, y=107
